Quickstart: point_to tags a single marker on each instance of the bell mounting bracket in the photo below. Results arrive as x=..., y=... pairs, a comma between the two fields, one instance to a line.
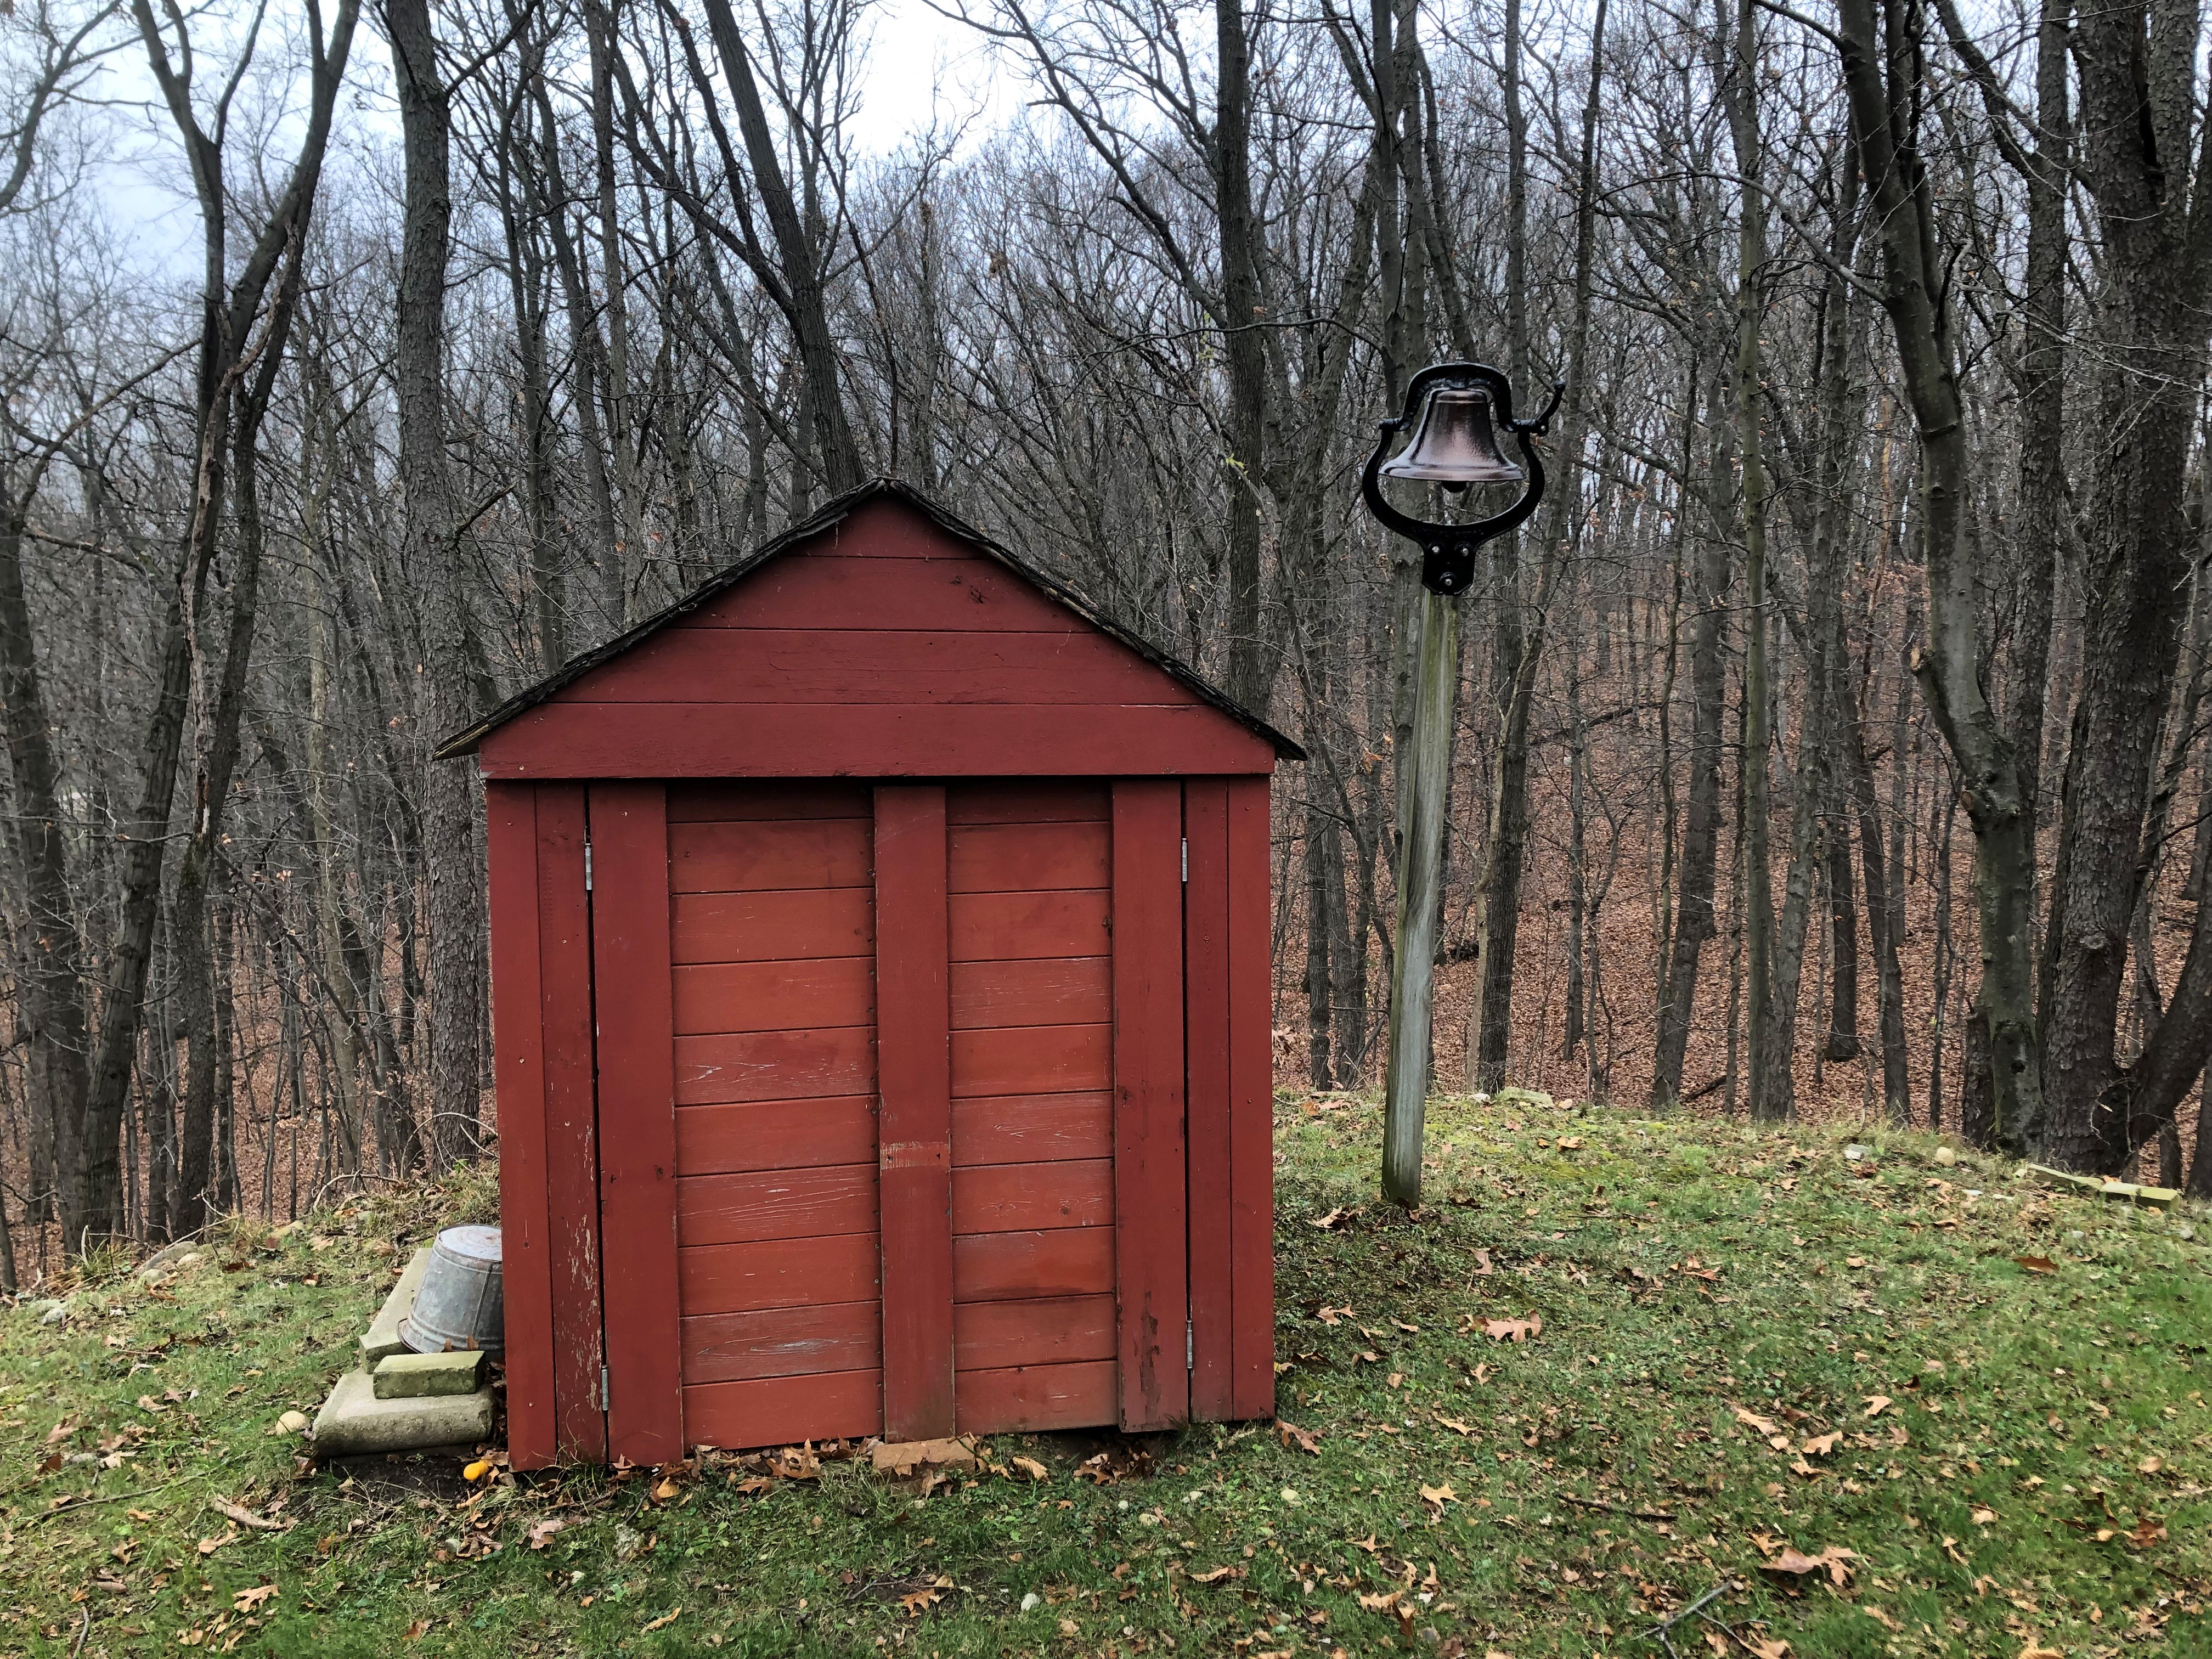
x=1448, y=550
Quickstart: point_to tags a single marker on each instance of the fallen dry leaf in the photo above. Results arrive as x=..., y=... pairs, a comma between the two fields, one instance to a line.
x=924, y=1597
x=1439, y=1496
x=246, y=1599
x=1878, y=1403
x=541, y=1532
x=1325, y=1222
x=2036, y=1264
x=1985, y=1517
x=1752, y=1420
x=2148, y=1531
x=210, y=1546
x=1217, y=1575
x=904, y=1457
x=1482, y=1268
x=1794, y=1564
x=1766, y=1647
x=246, y=1517
x=2149, y=1466
x=418, y=1629
x=1381, y=1603
x=1031, y=1467
x=666, y=1620
x=1513, y=1330
x=1821, y=1445
x=1305, y=1439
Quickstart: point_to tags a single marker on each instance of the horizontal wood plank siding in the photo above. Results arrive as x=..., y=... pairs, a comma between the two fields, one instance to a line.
x=775, y=1065
x=1032, y=1399
x=774, y=1000
x=765, y=665
x=775, y=1411
x=881, y=740
x=779, y=1273
x=1040, y=1331
x=1054, y=991
x=748, y=857
x=1027, y=858
x=716, y=927
x=1032, y=1039
x=1029, y=926
x=775, y=1134
x=835, y=1336
x=1031, y=1128
x=1001, y=1198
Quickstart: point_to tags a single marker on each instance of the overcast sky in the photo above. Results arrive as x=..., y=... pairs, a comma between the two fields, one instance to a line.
x=920, y=64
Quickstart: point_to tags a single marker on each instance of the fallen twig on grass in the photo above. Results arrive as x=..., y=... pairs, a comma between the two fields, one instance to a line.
x=77, y=1504
x=1658, y=1632
x=1616, y=1509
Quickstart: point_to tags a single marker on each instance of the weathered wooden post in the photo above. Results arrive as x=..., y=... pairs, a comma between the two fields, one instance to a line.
x=1455, y=447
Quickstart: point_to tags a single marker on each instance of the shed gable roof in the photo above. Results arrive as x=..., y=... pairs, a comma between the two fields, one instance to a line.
x=947, y=619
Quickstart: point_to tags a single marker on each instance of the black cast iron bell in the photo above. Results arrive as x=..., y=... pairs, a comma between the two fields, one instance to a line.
x=1450, y=406
x=1455, y=445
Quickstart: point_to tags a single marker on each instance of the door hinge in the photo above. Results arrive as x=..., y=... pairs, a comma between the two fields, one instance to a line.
x=1186, y=861
x=1190, y=1346
x=588, y=866
x=604, y=1404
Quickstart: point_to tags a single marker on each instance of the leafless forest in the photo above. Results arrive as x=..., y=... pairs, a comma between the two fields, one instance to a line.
x=1830, y=742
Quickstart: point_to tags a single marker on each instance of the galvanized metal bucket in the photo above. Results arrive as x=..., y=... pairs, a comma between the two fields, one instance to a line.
x=459, y=1304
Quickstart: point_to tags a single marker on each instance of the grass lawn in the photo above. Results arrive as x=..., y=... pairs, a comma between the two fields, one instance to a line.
x=1754, y=1356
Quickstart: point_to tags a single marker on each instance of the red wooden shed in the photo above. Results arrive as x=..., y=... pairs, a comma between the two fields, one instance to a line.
x=880, y=967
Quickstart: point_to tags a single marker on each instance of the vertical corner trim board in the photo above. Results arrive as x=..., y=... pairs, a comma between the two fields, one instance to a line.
x=571, y=1116
x=914, y=1127
x=518, y=1076
x=1207, y=1001
x=1252, y=1102
x=1149, y=1172
x=635, y=1014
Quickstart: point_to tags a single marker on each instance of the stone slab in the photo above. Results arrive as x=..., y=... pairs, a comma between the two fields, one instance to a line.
x=382, y=1339
x=2125, y=1192
x=904, y=1457
x=426, y=1375
x=354, y=1421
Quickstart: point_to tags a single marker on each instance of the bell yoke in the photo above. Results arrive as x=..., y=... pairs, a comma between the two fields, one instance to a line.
x=1455, y=445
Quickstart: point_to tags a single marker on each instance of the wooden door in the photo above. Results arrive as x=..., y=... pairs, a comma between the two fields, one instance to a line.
x=772, y=955
x=1028, y=894
x=838, y=1108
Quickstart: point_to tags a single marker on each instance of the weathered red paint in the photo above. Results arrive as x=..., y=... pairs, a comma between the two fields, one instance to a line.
x=1150, y=1181
x=518, y=1065
x=897, y=1074
x=914, y=1144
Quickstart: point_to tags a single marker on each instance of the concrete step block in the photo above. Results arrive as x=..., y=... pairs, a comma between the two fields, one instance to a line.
x=354, y=1422
x=382, y=1338
x=426, y=1375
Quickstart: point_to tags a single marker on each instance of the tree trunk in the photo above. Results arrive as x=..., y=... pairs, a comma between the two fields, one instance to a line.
x=1694, y=917
x=1877, y=67
x=1773, y=1097
x=801, y=262
x=432, y=541
x=1520, y=647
